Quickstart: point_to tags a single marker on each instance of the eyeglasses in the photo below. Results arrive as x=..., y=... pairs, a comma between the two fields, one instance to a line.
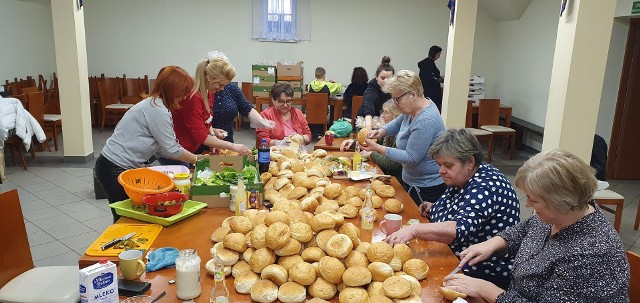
x=288, y=101
x=397, y=100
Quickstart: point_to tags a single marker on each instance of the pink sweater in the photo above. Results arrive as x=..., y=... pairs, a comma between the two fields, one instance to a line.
x=298, y=122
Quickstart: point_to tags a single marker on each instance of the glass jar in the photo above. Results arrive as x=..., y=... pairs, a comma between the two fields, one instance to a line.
x=188, y=274
x=182, y=183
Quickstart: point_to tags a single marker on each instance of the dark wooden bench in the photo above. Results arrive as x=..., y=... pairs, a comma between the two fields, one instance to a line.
x=522, y=127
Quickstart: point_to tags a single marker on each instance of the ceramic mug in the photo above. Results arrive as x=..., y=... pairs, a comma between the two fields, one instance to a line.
x=391, y=223
x=328, y=140
x=131, y=264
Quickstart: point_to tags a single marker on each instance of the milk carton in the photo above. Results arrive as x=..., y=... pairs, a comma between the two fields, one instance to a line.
x=99, y=283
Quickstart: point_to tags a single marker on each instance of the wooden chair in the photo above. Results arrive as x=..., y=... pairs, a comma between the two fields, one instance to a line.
x=20, y=280
x=606, y=198
x=30, y=89
x=14, y=142
x=637, y=224
x=634, y=281
x=317, y=107
x=109, y=105
x=133, y=90
x=94, y=95
x=356, y=103
x=152, y=83
x=489, y=120
x=24, y=99
x=36, y=109
x=13, y=87
x=479, y=133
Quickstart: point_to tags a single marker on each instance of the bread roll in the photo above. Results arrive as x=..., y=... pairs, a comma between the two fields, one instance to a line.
x=403, y=252
x=356, y=258
x=393, y=206
x=219, y=233
x=297, y=192
x=363, y=247
x=293, y=247
x=379, y=299
x=363, y=135
x=241, y=224
x=322, y=222
x=301, y=232
x=450, y=294
x=310, y=182
x=416, y=268
x=375, y=289
x=280, y=182
x=259, y=236
x=302, y=273
x=331, y=269
x=351, y=231
x=261, y=258
x=244, y=281
x=309, y=204
x=379, y=271
x=397, y=288
x=353, y=295
x=239, y=268
x=348, y=210
x=352, y=191
x=289, y=261
x=259, y=218
x=332, y=190
x=375, y=184
x=246, y=255
x=292, y=292
x=286, y=173
x=323, y=289
x=339, y=246
x=277, y=274
x=416, y=288
x=386, y=191
x=410, y=299
x=235, y=241
x=264, y=291
x=356, y=276
x=228, y=257
x=278, y=235
x=376, y=201
x=338, y=218
x=298, y=177
x=284, y=206
x=396, y=264
x=312, y=254
x=317, y=300
x=355, y=201
x=380, y=252
x=323, y=237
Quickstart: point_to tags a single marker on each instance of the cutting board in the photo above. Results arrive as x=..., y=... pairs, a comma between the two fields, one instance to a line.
x=148, y=231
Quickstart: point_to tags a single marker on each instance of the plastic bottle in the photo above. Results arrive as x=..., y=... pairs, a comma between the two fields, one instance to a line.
x=182, y=183
x=241, y=196
x=264, y=156
x=188, y=274
x=220, y=292
x=357, y=158
x=368, y=212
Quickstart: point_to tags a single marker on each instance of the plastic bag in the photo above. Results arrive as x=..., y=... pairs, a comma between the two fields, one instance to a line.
x=341, y=128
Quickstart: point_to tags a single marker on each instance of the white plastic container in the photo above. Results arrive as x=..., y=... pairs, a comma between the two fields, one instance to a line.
x=188, y=274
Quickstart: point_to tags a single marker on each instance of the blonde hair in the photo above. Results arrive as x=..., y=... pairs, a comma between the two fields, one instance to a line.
x=402, y=82
x=392, y=108
x=213, y=70
x=560, y=178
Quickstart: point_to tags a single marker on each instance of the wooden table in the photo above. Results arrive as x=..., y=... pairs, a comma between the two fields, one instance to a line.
x=195, y=232
x=335, y=105
x=334, y=147
x=504, y=111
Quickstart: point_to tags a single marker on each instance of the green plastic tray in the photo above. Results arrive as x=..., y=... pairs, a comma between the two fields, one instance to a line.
x=126, y=208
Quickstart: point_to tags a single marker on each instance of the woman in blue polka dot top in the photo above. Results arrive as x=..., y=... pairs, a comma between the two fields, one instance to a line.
x=478, y=204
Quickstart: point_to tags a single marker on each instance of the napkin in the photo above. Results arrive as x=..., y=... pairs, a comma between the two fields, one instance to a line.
x=160, y=258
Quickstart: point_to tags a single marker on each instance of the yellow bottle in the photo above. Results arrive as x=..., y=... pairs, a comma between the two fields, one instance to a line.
x=357, y=158
x=368, y=212
x=241, y=197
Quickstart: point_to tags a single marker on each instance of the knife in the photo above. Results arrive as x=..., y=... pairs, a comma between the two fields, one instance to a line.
x=116, y=240
x=457, y=269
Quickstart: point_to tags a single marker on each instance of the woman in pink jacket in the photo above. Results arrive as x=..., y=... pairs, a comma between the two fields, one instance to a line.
x=288, y=120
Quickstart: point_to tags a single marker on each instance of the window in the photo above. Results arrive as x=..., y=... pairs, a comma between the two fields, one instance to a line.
x=281, y=20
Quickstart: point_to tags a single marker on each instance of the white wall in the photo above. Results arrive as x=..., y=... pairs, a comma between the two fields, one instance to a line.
x=139, y=37
x=27, y=46
x=484, y=51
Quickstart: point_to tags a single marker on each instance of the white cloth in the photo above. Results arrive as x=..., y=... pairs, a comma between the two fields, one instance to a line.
x=13, y=115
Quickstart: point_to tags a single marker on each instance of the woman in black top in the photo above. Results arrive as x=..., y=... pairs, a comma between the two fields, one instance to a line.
x=358, y=84
x=430, y=76
x=373, y=96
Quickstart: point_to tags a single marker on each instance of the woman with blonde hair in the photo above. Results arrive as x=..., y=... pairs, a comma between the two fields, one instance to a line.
x=415, y=129
x=566, y=252
x=145, y=130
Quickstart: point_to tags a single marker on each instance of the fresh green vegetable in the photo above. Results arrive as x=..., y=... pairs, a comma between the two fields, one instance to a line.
x=228, y=175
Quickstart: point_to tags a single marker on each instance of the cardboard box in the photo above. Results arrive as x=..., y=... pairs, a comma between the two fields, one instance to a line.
x=211, y=194
x=264, y=80
x=476, y=86
x=476, y=80
x=475, y=97
x=294, y=84
x=297, y=94
x=99, y=283
x=294, y=70
x=263, y=70
x=289, y=78
x=261, y=91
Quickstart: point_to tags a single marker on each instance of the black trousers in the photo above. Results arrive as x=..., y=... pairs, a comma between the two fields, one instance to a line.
x=425, y=194
x=107, y=173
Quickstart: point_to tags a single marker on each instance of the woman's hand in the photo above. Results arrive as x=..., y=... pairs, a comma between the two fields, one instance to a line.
x=258, y=121
x=376, y=133
x=476, y=253
x=219, y=133
x=425, y=208
x=372, y=146
x=366, y=153
x=472, y=287
x=403, y=235
x=241, y=149
x=346, y=144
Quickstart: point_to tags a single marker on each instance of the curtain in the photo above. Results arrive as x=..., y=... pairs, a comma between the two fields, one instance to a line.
x=281, y=20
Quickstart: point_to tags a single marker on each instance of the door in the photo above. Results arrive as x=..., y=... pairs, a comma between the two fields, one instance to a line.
x=623, y=161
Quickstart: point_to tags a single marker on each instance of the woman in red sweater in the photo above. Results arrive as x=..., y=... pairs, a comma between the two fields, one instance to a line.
x=288, y=120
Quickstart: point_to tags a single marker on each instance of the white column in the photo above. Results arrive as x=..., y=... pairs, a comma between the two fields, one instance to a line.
x=71, y=62
x=458, y=69
x=579, y=62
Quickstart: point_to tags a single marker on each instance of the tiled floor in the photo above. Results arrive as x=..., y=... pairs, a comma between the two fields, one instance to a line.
x=63, y=217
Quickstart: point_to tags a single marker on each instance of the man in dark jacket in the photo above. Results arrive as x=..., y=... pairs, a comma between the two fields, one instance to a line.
x=430, y=76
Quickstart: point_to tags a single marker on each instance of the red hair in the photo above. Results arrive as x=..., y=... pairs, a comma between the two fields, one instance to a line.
x=172, y=84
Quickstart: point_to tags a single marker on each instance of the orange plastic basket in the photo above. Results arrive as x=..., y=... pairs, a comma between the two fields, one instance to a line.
x=139, y=182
